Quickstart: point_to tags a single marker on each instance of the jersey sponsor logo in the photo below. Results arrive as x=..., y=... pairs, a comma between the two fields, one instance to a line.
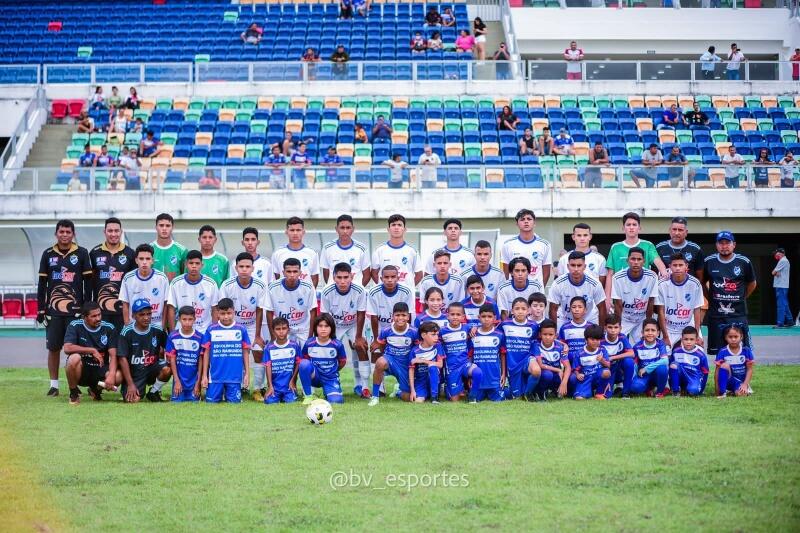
x=636, y=305
x=53, y=261
x=681, y=311
x=687, y=359
x=101, y=261
x=735, y=359
x=64, y=275
x=245, y=314
x=122, y=260
x=112, y=274
x=73, y=259
x=726, y=309
x=293, y=314
x=146, y=358
x=727, y=285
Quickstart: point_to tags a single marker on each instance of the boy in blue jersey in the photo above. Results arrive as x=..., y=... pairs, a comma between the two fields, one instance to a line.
x=688, y=368
x=184, y=351
x=734, y=365
x=572, y=334
x=395, y=343
x=620, y=353
x=592, y=367
x=520, y=334
x=323, y=356
x=475, y=300
x=226, y=354
x=652, y=361
x=426, y=364
x=457, y=346
x=281, y=357
x=552, y=356
x=489, y=355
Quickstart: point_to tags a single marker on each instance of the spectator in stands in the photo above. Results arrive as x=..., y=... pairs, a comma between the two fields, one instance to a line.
x=435, y=42
x=761, y=168
x=132, y=102
x=527, y=143
x=429, y=161
x=210, y=181
x=574, y=56
x=98, y=101
x=138, y=126
x=129, y=165
x=104, y=160
x=564, y=145
x=433, y=18
x=74, y=184
x=87, y=158
x=507, y=120
x=287, y=144
x=115, y=100
x=651, y=159
x=502, y=70
x=696, y=119
x=299, y=161
x=276, y=161
x=252, y=35
x=546, y=142
x=345, y=9
x=85, y=123
x=120, y=122
x=150, y=146
x=671, y=118
x=382, y=131
x=795, y=59
x=735, y=58
x=732, y=161
x=418, y=44
x=593, y=176
x=397, y=165
x=480, y=31
x=465, y=42
x=362, y=6
x=310, y=56
x=360, y=134
x=331, y=160
x=676, y=160
x=788, y=165
x=448, y=18
x=339, y=59
x=709, y=58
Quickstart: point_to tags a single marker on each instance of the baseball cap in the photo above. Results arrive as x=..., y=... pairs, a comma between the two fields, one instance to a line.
x=779, y=251
x=725, y=236
x=141, y=304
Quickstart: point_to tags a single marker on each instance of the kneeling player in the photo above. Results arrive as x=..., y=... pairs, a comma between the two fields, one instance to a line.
x=457, y=346
x=620, y=353
x=226, y=357
x=734, y=365
x=652, y=361
x=140, y=351
x=552, y=356
x=426, y=363
x=520, y=334
x=396, y=342
x=688, y=370
x=281, y=357
x=489, y=354
x=323, y=357
x=91, y=348
x=184, y=348
x=592, y=367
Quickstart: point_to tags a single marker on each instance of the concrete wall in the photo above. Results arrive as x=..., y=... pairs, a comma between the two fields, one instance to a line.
x=11, y=111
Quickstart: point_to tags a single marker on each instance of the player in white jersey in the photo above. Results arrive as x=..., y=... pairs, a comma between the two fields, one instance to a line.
x=293, y=299
x=492, y=276
x=144, y=282
x=383, y=296
x=595, y=262
x=577, y=283
x=452, y=286
x=633, y=292
x=461, y=258
x=262, y=266
x=346, y=302
x=529, y=245
x=345, y=249
x=679, y=301
x=519, y=286
x=309, y=261
x=196, y=290
x=396, y=251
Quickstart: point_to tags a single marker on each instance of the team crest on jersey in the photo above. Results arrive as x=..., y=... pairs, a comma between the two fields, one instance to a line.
x=352, y=261
x=449, y=295
x=201, y=296
x=154, y=341
x=74, y=259
x=352, y=305
x=305, y=262
x=495, y=341
x=462, y=263
x=259, y=273
x=101, y=261
x=104, y=339
x=155, y=291
x=237, y=336
x=173, y=260
x=688, y=256
x=300, y=301
x=215, y=269
x=404, y=260
x=253, y=300
x=535, y=255
x=644, y=291
x=687, y=296
x=123, y=260
x=490, y=286
x=591, y=266
x=736, y=270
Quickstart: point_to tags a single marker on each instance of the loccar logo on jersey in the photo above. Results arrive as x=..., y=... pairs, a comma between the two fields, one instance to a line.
x=64, y=275
x=293, y=314
x=680, y=312
x=637, y=304
x=145, y=359
x=726, y=284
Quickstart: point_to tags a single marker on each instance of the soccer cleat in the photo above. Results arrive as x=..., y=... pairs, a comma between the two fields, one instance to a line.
x=365, y=393
x=245, y=392
x=661, y=395
x=357, y=390
x=154, y=396
x=626, y=396
x=53, y=392
x=74, y=396
x=676, y=394
x=749, y=390
x=723, y=395
x=308, y=399
x=599, y=396
x=435, y=401
x=617, y=392
x=373, y=401
x=473, y=400
x=258, y=396
x=396, y=391
x=95, y=393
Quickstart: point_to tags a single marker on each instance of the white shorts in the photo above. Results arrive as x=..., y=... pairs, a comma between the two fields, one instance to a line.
x=633, y=330
x=480, y=39
x=348, y=337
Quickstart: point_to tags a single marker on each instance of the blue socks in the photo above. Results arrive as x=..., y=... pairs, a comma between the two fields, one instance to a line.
x=305, y=370
x=376, y=390
x=433, y=380
x=477, y=377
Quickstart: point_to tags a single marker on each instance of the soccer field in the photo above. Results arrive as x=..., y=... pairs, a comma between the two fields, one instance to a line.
x=644, y=464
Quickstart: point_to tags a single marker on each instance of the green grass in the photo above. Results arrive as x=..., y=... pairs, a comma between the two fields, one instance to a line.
x=645, y=464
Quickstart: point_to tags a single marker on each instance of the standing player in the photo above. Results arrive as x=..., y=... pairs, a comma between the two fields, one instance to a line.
x=577, y=283
x=91, y=348
x=677, y=243
x=345, y=249
x=529, y=245
x=293, y=299
x=457, y=347
x=262, y=266
x=491, y=275
x=476, y=298
x=730, y=279
x=281, y=357
x=633, y=291
x=383, y=297
x=140, y=351
x=215, y=265
x=688, y=371
x=169, y=256
x=618, y=255
x=396, y=251
x=323, y=357
x=520, y=334
x=451, y=285
x=308, y=259
x=519, y=286
x=424, y=372
x=247, y=294
x=595, y=262
x=111, y=260
x=226, y=363
x=184, y=350
x=144, y=282
x=489, y=355
x=195, y=289
x=65, y=272
x=346, y=302
x=460, y=258
x=394, y=344
x=679, y=301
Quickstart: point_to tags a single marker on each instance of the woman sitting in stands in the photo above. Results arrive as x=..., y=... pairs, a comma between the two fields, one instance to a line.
x=435, y=42
x=465, y=42
x=132, y=102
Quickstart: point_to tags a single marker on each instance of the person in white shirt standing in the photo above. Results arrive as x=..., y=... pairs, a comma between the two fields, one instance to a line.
x=262, y=266
x=595, y=262
x=732, y=162
x=577, y=283
x=196, y=290
x=492, y=276
x=679, y=301
x=461, y=258
x=428, y=162
x=574, y=57
x=780, y=282
x=452, y=286
x=529, y=245
x=397, y=252
x=309, y=261
x=293, y=299
x=144, y=282
x=633, y=293
x=735, y=58
x=345, y=249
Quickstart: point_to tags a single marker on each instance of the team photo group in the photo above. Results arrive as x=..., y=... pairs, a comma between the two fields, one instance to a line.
x=448, y=327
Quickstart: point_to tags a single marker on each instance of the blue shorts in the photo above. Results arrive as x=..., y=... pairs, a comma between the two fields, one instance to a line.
x=288, y=396
x=456, y=378
x=422, y=388
x=494, y=395
x=400, y=372
x=591, y=385
x=331, y=388
x=517, y=382
x=232, y=392
x=186, y=395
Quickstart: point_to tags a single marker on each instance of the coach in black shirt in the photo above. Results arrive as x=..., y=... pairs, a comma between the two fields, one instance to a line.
x=677, y=242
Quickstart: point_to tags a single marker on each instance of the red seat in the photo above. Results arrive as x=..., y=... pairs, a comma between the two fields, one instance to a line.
x=12, y=305
x=54, y=25
x=59, y=109
x=75, y=108
x=31, y=306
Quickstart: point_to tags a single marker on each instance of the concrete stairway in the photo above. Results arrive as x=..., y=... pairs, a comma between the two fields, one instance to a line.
x=48, y=151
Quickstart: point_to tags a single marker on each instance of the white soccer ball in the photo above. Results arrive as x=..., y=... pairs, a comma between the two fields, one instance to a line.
x=319, y=412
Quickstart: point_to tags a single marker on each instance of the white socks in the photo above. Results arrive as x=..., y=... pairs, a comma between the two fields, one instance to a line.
x=157, y=385
x=259, y=376
x=54, y=383
x=364, y=371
